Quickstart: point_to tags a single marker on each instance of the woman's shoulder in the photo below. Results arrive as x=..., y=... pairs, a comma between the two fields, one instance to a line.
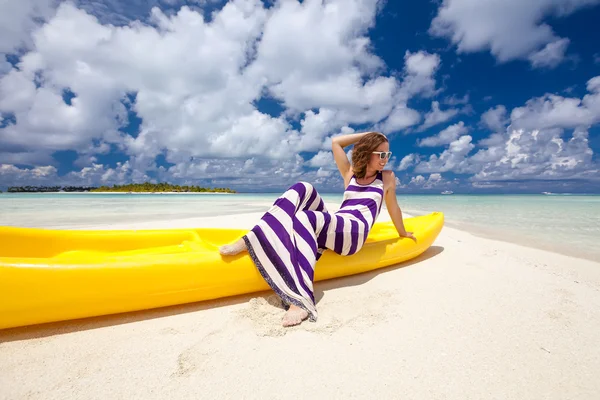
x=389, y=179
x=388, y=175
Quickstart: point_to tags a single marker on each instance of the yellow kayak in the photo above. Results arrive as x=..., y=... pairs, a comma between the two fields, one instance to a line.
x=55, y=275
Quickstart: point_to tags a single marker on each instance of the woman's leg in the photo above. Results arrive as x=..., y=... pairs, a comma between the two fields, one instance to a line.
x=234, y=248
x=240, y=245
x=283, y=246
x=304, y=221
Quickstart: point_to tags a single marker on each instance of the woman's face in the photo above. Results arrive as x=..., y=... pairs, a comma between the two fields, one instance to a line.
x=376, y=162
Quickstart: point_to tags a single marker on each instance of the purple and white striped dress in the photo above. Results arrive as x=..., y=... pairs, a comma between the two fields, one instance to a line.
x=289, y=239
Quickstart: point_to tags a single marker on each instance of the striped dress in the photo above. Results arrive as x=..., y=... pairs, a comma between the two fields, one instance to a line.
x=292, y=235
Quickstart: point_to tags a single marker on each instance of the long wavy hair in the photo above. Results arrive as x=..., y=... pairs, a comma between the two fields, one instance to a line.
x=361, y=153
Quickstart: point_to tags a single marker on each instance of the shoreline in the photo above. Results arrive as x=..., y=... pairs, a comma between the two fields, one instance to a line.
x=494, y=233
x=520, y=239
x=231, y=221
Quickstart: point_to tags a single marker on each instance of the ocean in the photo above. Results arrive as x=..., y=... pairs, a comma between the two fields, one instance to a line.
x=561, y=223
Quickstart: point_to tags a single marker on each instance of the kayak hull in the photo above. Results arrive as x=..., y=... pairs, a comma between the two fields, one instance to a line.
x=56, y=275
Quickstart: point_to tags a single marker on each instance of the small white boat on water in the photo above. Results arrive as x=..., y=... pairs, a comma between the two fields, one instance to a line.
x=447, y=192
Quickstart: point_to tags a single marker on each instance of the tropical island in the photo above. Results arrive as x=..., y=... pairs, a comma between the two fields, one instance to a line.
x=148, y=187
x=48, y=189
x=145, y=187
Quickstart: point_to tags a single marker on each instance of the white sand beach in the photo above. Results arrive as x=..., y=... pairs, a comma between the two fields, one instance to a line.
x=472, y=318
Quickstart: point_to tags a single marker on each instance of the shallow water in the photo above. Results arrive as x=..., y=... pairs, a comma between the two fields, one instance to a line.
x=568, y=224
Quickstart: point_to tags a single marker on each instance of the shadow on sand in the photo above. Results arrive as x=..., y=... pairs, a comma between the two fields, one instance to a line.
x=359, y=279
x=63, y=327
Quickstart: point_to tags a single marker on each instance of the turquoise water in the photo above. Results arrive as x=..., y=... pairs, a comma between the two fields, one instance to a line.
x=567, y=224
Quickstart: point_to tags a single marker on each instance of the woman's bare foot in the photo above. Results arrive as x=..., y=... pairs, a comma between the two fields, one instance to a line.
x=233, y=249
x=294, y=316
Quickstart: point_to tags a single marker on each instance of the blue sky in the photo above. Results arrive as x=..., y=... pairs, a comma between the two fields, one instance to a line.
x=500, y=96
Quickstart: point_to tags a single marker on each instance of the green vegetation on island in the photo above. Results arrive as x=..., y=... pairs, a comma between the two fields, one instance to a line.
x=45, y=189
x=146, y=187
x=160, y=187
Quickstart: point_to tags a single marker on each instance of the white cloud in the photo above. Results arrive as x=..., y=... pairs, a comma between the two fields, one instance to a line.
x=510, y=29
x=446, y=136
x=494, y=139
x=238, y=141
x=98, y=174
x=93, y=175
x=11, y=173
x=18, y=19
x=322, y=159
x=254, y=174
x=533, y=147
x=314, y=55
x=417, y=180
x=26, y=157
x=454, y=158
x=421, y=63
x=551, y=55
x=456, y=101
x=321, y=172
x=552, y=111
x=5, y=66
x=435, y=180
x=518, y=155
x=400, y=118
x=437, y=116
x=536, y=155
x=315, y=128
x=418, y=79
x=118, y=12
x=195, y=82
x=495, y=118
x=88, y=157
x=593, y=85
x=485, y=185
x=407, y=162
x=419, y=74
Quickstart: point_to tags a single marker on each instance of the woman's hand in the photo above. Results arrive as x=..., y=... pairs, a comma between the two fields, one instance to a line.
x=408, y=235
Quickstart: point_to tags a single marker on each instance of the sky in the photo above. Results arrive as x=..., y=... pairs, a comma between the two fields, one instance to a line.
x=497, y=96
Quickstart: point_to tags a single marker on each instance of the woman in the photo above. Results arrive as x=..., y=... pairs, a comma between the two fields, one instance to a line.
x=289, y=239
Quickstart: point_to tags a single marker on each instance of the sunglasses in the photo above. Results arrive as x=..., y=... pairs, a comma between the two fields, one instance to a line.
x=383, y=154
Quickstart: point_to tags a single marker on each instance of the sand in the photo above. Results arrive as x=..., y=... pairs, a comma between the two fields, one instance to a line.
x=472, y=318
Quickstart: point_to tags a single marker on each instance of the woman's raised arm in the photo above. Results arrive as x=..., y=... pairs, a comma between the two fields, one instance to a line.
x=339, y=155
